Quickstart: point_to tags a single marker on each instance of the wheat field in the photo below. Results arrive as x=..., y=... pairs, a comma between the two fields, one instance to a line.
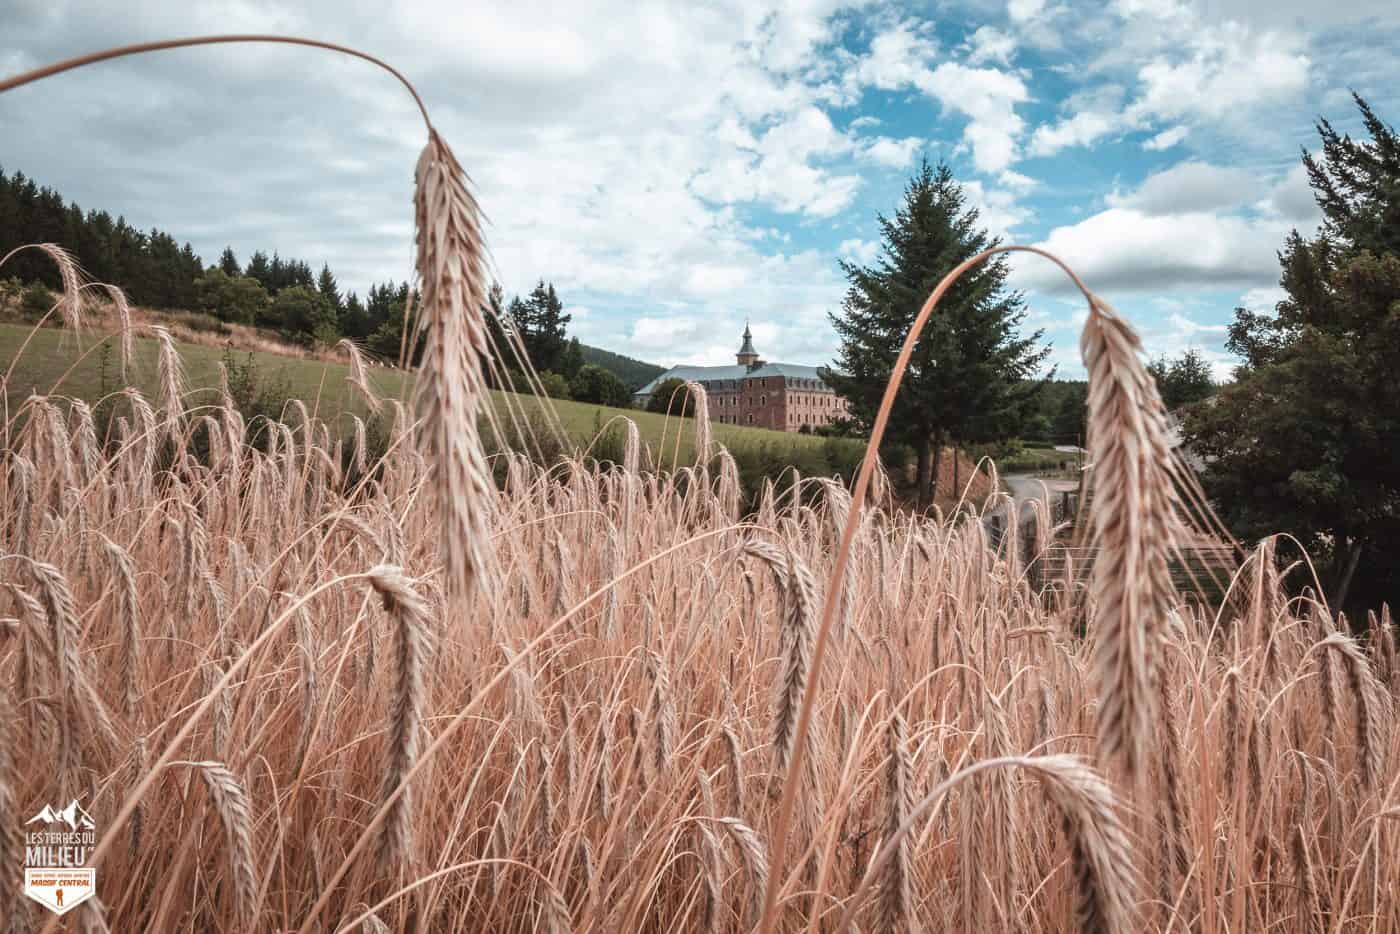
x=300, y=692
x=237, y=659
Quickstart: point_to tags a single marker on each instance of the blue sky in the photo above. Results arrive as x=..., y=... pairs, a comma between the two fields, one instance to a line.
x=677, y=168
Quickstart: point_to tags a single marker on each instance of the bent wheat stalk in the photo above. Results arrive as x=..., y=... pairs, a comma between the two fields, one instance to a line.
x=231, y=804
x=1100, y=853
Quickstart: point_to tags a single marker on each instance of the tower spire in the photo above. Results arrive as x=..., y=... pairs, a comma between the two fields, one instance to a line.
x=747, y=356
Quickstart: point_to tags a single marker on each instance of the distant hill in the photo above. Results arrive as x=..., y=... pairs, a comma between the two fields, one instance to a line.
x=155, y=271
x=634, y=373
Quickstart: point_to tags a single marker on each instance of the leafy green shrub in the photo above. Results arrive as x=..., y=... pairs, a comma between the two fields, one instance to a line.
x=36, y=301
x=555, y=385
x=232, y=298
x=257, y=398
x=661, y=398
x=595, y=384
x=844, y=457
x=297, y=311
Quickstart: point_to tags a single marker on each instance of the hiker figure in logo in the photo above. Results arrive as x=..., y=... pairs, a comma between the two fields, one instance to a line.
x=58, y=894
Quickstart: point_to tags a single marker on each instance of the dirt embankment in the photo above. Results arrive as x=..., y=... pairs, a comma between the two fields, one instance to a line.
x=960, y=480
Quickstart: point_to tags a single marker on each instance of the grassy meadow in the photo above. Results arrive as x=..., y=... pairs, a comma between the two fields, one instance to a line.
x=57, y=362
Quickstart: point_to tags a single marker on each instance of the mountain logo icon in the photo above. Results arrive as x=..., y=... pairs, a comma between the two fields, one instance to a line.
x=73, y=815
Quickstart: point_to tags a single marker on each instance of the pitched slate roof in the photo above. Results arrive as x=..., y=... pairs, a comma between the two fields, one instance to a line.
x=705, y=374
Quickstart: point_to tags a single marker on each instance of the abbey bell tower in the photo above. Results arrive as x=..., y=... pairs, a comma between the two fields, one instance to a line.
x=747, y=356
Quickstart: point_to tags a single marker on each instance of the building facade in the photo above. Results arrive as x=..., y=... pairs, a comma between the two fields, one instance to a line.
x=752, y=392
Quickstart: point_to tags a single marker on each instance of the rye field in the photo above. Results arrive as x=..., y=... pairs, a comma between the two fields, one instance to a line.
x=446, y=692
x=252, y=670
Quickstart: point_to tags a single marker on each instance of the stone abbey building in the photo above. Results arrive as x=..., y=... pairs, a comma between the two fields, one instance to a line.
x=779, y=396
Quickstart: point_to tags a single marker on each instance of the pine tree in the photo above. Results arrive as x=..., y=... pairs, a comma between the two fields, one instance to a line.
x=260, y=269
x=572, y=360
x=279, y=274
x=1304, y=439
x=971, y=376
x=543, y=327
x=326, y=285
x=354, y=320
x=229, y=263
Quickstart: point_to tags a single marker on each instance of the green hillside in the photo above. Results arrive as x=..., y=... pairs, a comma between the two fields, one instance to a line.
x=61, y=363
x=634, y=373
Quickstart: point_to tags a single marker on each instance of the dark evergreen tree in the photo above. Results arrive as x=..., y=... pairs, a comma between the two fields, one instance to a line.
x=543, y=327
x=278, y=274
x=151, y=266
x=971, y=376
x=229, y=263
x=326, y=285
x=1305, y=439
x=354, y=320
x=380, y=304
x=572, y=360
x=505, y=369
x=260, y=269
x=1072, y=415
x=387, y=341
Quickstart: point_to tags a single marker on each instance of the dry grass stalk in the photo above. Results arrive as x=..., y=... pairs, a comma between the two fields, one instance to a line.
x=92, y=917
x=896, y=889
x=129, y=604
x=235, y=816
x=797, y=634
x=358, y=377
x=411, y=621
x=1101, y=857
x=171, y=370
x=70, y=300
x=1371, y=703
x=704, y=440
x=752, y=854
x=963, y=595
x=128, y=334
x=11, y=818
x=310, y=691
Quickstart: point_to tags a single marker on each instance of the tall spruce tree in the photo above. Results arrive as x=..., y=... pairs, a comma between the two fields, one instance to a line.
x=1307, y=438
x=326, y=285
x=543, y=327
x=229, y=263
x=571, y=361
x=971, y=375
x=260, y=269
